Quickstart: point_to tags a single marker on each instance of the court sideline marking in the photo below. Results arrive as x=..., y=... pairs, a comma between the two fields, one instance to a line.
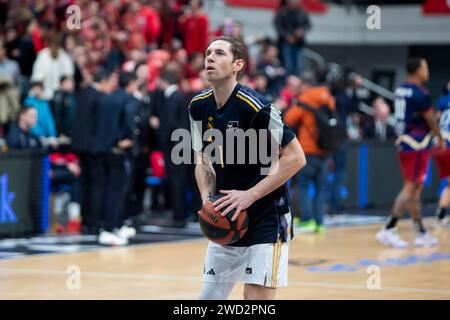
x=198, y=279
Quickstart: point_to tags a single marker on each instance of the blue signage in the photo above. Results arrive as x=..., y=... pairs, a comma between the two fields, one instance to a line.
x=7, y=214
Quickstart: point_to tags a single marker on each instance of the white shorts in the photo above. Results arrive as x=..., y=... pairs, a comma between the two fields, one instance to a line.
x=263, y=264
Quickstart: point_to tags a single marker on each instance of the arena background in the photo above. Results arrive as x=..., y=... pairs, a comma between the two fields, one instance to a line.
x=42, y=240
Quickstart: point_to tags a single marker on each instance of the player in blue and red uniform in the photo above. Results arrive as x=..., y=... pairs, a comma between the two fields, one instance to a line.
x=443, y=161
x=415, y=126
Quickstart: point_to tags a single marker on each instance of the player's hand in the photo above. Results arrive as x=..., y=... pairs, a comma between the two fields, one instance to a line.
x=234, y=199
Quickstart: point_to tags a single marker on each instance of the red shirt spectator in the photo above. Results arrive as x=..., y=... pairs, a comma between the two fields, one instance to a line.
x=170, y=13
x=195, y=26
x=149, y=24
x=195, y=65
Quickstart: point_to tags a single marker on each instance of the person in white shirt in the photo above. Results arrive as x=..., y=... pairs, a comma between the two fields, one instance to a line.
x=51, y=64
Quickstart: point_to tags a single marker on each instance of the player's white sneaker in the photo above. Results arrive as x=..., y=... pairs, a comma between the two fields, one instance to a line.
x=425, y=240
x=110, y=239
x=441, y=223
x=126, y=232
x=391, y=238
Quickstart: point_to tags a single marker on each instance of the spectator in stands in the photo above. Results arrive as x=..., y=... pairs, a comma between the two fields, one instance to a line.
x=315, y=95
x=23, y=51
x=64, y=107
x=194, y=26
x=9, y=69
x=83, y=68
x=45, y=126
x=343, y=91
x=292, y=23
x=19, y=135
x=195, y=65
x=9, y=95
x=291, y=90
x=355, y=132
x=380, y=128
x=260, y=84
x=51, y=64
x=271, y=67
x=156, y=60
x=170, y=13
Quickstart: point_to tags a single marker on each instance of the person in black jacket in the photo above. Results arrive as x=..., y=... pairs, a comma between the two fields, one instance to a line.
x=379, y=127
x=112, y=140
x=173, y=114
x=64, y=106
x=140, y=157
x=86, y=119
x=19, y=136
x=343, y=88
x=291, y=23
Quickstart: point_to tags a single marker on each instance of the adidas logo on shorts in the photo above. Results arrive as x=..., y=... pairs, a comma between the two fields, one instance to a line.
x=211, y=272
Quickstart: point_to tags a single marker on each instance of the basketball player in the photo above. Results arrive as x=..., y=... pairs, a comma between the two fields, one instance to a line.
x=260, y=258
x=415, y=118
x=443, y=162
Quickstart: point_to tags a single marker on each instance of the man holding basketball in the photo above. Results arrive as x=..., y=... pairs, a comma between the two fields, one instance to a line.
x=260, y=257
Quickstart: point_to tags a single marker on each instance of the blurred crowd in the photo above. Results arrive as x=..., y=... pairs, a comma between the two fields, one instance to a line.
x=103, y=98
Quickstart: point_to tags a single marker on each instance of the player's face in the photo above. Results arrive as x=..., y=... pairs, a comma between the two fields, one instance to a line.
x=424, y=72
x=219, y=64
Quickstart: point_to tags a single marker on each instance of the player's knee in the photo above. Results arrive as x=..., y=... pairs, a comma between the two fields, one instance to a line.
x=410, y=191
x=258, y=292
x=216, y=291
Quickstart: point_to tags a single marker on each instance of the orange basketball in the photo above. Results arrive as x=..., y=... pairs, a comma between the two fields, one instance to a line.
x=220, y=229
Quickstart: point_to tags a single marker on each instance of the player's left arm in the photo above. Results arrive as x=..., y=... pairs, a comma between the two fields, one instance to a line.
x=291, y=159
x=431, y=120
x=433, y=124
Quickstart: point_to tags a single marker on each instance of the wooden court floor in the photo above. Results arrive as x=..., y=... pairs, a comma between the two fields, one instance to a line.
x=328, y=266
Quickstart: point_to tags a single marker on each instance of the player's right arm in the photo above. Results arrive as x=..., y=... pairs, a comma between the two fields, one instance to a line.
x=205, y=176
x=204, y=171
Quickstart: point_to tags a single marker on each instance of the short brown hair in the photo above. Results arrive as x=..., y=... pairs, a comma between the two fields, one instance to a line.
x=236, y=45
x=237, y=49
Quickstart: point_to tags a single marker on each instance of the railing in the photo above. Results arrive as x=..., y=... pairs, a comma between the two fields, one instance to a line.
x=318, y=60
x=379, y=90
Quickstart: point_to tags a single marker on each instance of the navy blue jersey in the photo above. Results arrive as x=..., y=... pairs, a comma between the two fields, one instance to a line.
x=270, y=217
x=411, y=104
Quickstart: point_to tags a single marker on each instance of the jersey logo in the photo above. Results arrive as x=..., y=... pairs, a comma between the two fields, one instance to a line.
x=233, y=125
